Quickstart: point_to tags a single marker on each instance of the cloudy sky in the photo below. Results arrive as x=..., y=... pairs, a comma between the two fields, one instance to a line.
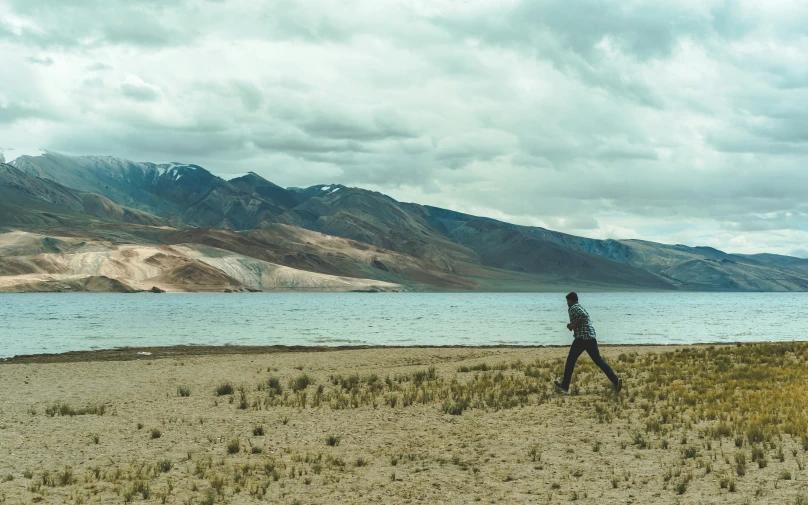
x=680, y=122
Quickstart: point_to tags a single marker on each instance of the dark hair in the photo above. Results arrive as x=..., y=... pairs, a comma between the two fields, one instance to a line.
x=573, y=296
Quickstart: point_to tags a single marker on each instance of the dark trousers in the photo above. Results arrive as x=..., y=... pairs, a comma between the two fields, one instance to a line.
x=591, y=347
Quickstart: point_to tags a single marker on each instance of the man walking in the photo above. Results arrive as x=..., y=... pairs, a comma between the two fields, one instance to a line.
x=585, y=340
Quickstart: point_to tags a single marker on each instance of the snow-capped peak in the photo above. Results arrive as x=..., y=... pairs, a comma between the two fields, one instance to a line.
x=172, y=169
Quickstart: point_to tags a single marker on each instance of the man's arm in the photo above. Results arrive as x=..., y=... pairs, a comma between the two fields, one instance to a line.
x=577, y=318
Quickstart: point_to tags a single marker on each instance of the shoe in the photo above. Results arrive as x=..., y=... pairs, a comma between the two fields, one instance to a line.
x=619, y=386
x=560, y=386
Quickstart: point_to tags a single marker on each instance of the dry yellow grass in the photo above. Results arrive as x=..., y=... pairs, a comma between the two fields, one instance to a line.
x=465, y=425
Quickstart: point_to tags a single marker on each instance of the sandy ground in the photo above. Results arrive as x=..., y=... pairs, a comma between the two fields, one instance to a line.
x=553, y=448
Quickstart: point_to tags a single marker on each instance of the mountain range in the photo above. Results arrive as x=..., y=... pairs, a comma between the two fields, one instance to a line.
x=99, y=223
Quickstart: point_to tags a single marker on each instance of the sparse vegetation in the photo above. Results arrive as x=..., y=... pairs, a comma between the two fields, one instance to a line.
x=63, y=409
x=727, y=417
x=224, y=389
x=300, y=383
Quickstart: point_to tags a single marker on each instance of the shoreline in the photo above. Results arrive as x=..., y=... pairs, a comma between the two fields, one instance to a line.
x=181, y=351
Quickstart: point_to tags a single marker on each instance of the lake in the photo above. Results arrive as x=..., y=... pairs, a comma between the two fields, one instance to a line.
x=53, y=323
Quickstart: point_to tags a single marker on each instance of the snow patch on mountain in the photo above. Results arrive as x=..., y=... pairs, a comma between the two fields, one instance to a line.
x=174, y=170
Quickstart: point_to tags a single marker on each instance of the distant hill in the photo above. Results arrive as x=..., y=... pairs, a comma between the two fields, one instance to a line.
x=352, y=232
x=184, y=194
x=34, y=201
x=693, y=268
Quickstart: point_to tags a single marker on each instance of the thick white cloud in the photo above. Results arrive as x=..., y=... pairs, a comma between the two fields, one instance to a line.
x=683, y=122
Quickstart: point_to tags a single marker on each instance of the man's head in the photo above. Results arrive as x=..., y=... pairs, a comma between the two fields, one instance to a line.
x=572, y=299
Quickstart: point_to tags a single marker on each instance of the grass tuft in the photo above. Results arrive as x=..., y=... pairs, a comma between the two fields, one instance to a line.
x=63, y=409
x=300, y=383
x=224, y=388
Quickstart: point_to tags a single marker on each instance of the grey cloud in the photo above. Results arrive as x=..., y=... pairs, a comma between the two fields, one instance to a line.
x=620, y=149
x=145, y=145
x=568, y=35
x=139, y=92
x=46, y=60
x=91, y=23
x=332, y=121
x=791, y=80
x=459, y=150
x=99, y=67
x=181, y=144
x=602, y=117
x=299, y=144
x=621, y=85
x=145, y=32
x=788, y=131
x=387, y=172
x=743, y=142
x=380, y=126
x=648, y=30
x=93, y=82
x=138, y=119
x=779, y=221
x=16, y=111
x=250, y=95
x=416, y=146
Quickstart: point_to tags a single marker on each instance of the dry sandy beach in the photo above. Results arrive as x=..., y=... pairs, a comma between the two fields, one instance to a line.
x=700, y=424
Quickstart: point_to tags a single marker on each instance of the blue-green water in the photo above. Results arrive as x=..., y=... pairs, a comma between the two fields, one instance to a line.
x=51, y=323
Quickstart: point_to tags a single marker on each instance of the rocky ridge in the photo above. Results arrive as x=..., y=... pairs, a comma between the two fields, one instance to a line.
x=347, y=232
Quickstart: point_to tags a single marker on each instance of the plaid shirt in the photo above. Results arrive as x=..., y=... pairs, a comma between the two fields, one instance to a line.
x=586, y=331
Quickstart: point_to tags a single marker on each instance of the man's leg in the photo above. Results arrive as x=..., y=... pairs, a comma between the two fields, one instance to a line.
x=576, y=349
x=594, y=353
